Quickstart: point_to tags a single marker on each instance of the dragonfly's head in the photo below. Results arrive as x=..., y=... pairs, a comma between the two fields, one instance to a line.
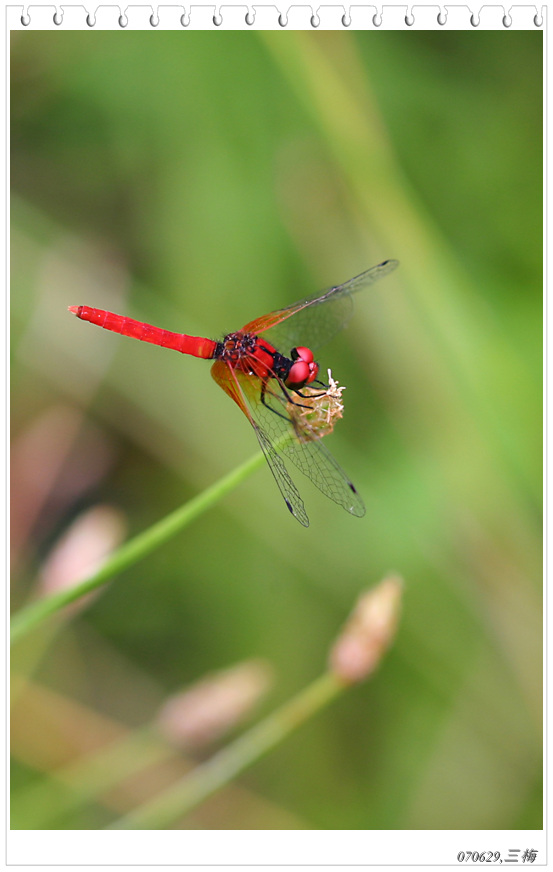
x=304, y=369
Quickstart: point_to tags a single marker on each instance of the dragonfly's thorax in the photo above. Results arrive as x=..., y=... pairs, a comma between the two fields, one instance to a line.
x=282, y=366
x=235, y=347
x=248, y=353
x=253, y=355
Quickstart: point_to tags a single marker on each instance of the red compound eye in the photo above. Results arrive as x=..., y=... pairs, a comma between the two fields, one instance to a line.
x=305, y=354
x=313, y=372
x=299, y=373
x=303, y=371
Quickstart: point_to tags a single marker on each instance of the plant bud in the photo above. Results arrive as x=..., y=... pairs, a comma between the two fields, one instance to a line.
x=210, y=708
x=82, y=550
x=368, y=632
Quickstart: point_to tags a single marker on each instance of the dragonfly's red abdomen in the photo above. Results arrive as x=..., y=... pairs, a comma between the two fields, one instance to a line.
x=194, y=345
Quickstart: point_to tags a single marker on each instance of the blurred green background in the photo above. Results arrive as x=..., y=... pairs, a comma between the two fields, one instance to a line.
x=197, y=180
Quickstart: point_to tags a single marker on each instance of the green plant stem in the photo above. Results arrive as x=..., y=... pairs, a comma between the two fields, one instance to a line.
x=67, y=789
x=34, y=614
x=171, y=805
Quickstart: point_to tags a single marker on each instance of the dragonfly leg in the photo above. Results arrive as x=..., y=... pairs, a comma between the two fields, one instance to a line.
x=287, y=396
x=308, y=397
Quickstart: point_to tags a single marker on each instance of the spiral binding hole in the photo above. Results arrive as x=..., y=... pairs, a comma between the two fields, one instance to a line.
x=315, y=21
x=538, y=21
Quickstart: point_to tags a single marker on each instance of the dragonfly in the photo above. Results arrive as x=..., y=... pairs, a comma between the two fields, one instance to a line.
x=289, y=408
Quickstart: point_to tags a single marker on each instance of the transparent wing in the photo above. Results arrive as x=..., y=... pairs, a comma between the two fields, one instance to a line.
x=285, y=430
x=315, y=320
x=287, y=487
x=311, y=327
x=236, y=385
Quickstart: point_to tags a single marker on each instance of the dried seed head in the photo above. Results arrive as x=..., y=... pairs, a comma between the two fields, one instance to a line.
x=316, y=411
x=208, y=709
x=368, y=632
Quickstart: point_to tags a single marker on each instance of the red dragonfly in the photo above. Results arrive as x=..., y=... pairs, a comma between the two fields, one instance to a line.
x=276, y=392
